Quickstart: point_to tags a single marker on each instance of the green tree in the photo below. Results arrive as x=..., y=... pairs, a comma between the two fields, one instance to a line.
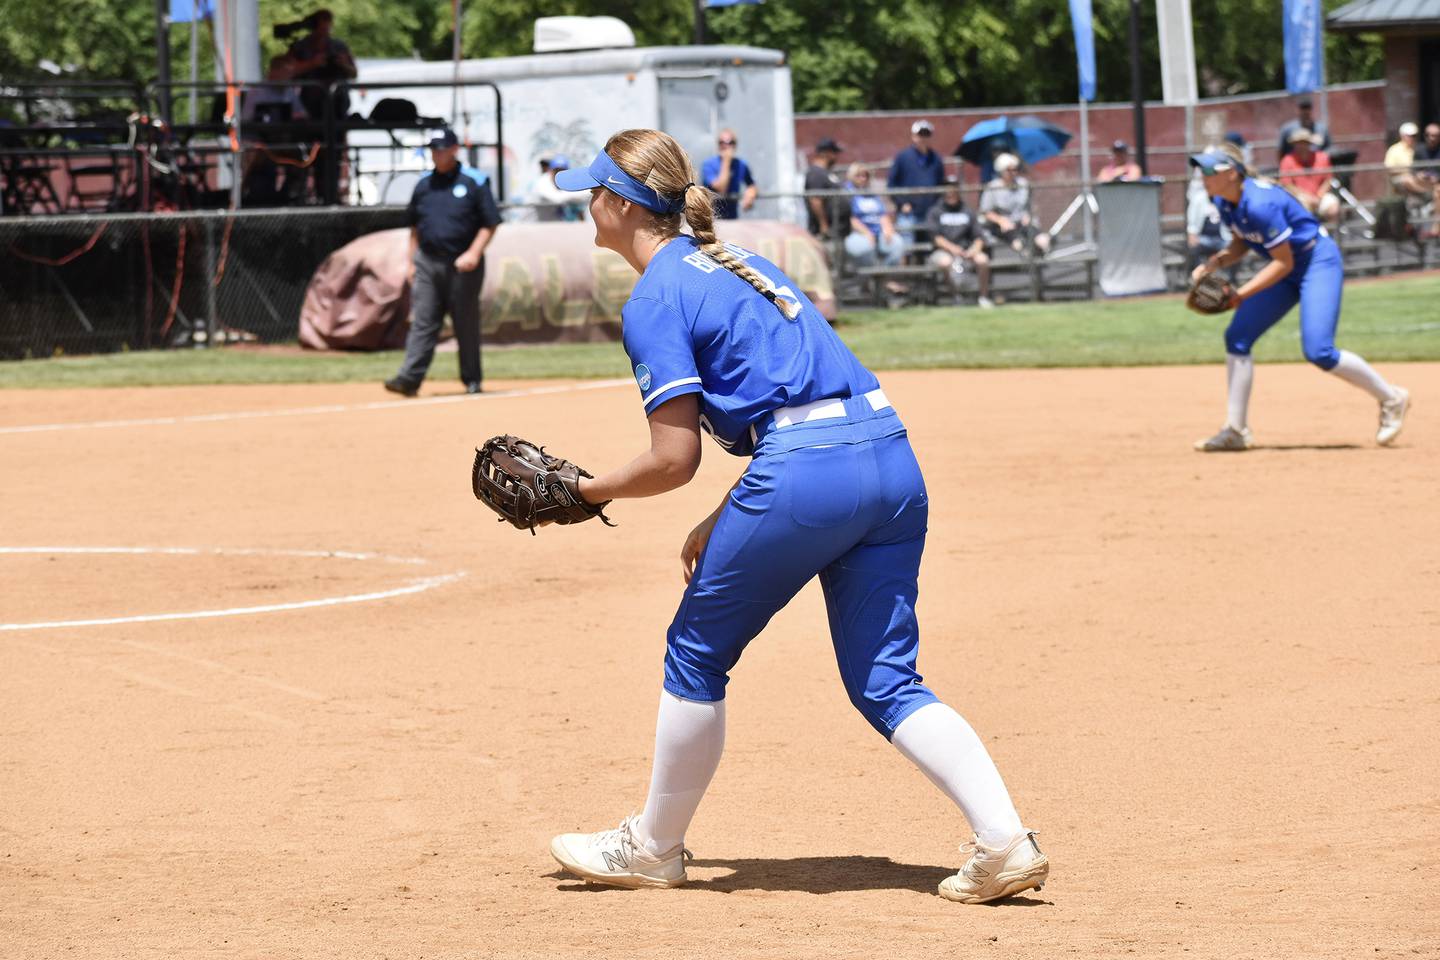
x=849, y=55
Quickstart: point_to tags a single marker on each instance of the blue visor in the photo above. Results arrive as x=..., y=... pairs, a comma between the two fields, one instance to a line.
x=603, y=172
x=1212, y=161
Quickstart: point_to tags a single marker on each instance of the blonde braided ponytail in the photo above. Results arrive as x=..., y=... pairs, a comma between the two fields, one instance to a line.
x=656, y=160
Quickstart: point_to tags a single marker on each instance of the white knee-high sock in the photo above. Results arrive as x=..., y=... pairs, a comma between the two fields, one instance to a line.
x=1352, y=368
x=938, y=740
x=1239, y=376
x=689, y=738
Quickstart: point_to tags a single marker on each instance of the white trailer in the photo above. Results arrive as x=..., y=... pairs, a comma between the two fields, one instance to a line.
x=571, y=102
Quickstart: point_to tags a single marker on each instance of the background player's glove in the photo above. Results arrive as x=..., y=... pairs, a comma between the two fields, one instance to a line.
x=1212, y=293
x=528, y=487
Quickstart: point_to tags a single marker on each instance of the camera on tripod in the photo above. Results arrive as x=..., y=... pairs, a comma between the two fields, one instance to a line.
x=284, y=31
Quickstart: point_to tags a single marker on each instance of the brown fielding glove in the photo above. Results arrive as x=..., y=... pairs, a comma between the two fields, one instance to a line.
x=1212, y=293
x=528, y=487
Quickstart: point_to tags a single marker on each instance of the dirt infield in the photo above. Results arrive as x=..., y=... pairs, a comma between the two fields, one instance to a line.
x=1212, y=683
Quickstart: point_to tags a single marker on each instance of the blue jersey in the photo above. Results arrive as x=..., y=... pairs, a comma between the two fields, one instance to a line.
x=867, y=208
x=1267, y=216
x=727, y=205
x=691, y=326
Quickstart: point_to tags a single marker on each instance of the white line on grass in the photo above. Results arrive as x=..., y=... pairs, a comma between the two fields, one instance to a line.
x=312, y=411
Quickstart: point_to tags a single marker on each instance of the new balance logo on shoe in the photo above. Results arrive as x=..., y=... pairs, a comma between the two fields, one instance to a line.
x=615, y=861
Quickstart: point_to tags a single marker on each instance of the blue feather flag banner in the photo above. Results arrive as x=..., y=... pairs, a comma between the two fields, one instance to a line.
x=183, y=11
x=1304, y=53
x=730, y=3
x=1083, y=21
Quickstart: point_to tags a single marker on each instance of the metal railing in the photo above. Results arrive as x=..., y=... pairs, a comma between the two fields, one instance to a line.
x=200, y=163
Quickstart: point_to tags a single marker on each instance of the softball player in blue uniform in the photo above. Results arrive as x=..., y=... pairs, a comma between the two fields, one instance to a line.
x=1303, y=266
x=722, y=342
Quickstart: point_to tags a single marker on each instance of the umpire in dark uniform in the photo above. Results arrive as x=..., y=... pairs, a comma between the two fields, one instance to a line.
x=452, y=220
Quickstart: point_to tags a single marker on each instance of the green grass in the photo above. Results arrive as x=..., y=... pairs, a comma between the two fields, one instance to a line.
x=1393, y=319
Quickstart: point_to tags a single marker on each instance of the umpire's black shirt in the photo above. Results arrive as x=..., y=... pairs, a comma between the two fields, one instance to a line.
x=448, y=209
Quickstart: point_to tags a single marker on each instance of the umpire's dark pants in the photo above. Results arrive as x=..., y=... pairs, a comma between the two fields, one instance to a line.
x=439, y=289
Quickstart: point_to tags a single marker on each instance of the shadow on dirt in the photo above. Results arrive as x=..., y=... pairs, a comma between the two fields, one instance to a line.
x=810, y=875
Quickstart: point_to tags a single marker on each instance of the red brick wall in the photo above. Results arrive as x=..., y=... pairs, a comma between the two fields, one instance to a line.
x=1402, y=81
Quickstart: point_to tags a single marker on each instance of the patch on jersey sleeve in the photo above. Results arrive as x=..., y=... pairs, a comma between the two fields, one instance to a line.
x=642, y=376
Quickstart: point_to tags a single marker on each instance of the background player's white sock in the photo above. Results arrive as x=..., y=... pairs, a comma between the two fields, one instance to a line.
x=1239, y=376
x=1352, y=368
x=689, y=738
x=938, y=740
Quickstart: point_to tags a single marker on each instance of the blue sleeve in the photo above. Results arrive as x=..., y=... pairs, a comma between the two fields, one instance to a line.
x=745, y=176
x=657, y=340
x=709, y=170
x=896, y=177
x=1270, y=218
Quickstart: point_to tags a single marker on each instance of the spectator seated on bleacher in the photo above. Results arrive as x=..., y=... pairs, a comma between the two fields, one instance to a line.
x=1121, y=166
x=1005, y=207
x=274, y=175
x=1304, y=120
x=1428, y=151
x=958, y=240
x=1400, y=162
x=277, y=104
x=872, y=238
x=1306, y=172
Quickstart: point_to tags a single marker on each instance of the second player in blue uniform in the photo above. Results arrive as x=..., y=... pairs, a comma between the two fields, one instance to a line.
x=1302, y=266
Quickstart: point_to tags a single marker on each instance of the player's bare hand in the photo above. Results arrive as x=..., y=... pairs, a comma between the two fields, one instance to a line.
x=695, y=545
x=1200, y=271
x=467, y=261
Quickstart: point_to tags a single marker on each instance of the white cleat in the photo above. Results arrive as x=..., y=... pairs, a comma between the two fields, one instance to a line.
x=1227, y=439
x=990, y=874
x=617, y=857
x=1392, y=417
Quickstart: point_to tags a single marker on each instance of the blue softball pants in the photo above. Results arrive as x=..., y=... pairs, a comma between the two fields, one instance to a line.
x=1315, y=284
x=842, y=499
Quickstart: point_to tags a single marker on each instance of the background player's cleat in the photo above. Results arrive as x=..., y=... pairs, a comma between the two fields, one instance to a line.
x=1392, y=417
x=990, y=874
x=618, y=858
x=1227, y=439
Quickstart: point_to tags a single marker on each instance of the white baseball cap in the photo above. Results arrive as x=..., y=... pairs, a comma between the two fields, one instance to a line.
x=921, y=126
x=1006, y=161
x=1408, y=129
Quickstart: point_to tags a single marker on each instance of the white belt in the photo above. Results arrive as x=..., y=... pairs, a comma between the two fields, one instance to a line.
x=823, y=409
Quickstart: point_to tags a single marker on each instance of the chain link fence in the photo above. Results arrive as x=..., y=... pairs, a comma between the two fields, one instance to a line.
x=97, y=284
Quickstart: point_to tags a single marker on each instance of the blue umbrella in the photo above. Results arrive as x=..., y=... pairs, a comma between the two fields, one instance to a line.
x=1029, y=138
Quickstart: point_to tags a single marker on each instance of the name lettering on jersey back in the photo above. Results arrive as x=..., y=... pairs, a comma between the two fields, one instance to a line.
x=707, y=264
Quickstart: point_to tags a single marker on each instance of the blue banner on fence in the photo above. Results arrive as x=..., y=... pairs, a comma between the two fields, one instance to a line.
x=183, y=11
x=1304, y=34
x=1083, y=22
x=729, y=3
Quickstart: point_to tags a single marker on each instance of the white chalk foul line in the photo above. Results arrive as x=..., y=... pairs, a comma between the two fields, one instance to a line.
x=413, y=586
x=416, y=586
x=313, y=411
